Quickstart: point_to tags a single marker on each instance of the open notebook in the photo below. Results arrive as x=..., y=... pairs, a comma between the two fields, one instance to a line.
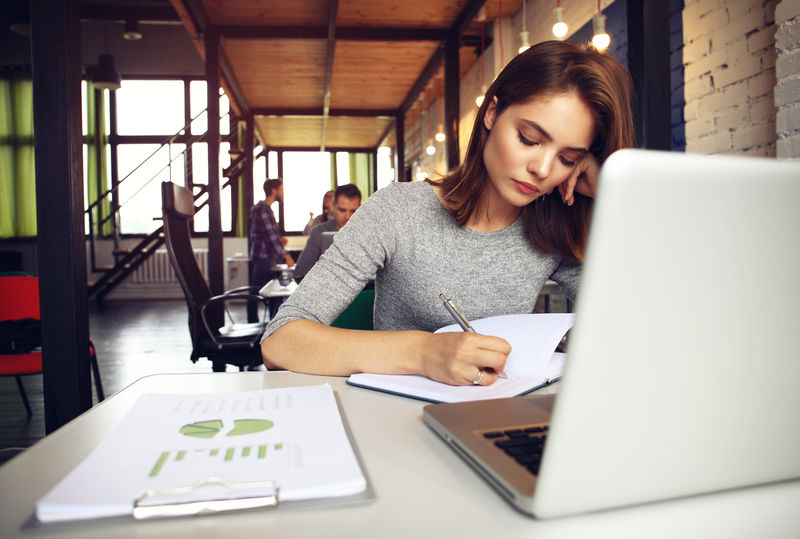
x=531, y=364
x=684, y=364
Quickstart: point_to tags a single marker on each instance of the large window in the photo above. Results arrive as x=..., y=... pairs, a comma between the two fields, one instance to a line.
x=150, y=107
x=306, y=178
x=150, y=147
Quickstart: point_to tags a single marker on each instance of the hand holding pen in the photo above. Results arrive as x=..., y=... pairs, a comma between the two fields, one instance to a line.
x=459, y=317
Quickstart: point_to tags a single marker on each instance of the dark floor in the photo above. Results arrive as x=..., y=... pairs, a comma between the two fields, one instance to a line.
x=132, y=338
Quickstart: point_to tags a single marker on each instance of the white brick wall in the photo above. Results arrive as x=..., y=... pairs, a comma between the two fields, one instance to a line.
x=787, y=87
x=729, y=68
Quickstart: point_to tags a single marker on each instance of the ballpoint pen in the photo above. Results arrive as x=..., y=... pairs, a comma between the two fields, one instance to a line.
x=459, y=317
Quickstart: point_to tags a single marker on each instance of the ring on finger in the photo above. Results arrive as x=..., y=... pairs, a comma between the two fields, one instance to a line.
x=478, y=379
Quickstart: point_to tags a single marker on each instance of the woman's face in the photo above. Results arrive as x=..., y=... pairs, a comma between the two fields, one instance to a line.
x=534, y=146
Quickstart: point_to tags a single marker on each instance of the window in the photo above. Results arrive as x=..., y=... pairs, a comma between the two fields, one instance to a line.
x=200, y=175
x=150, y=107
x=306, y=179
x=142, y=168
x=148, y=113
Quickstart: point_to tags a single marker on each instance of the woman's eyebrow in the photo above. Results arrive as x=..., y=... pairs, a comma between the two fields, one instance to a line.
x=549, y=137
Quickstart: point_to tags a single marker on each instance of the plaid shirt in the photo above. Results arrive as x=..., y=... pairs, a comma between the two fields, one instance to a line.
x=265, y=243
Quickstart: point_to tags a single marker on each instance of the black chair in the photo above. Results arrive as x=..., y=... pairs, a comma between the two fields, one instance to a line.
x=214, y=331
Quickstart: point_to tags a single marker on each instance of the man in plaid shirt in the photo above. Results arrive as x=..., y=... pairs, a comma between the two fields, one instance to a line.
x=266, y=244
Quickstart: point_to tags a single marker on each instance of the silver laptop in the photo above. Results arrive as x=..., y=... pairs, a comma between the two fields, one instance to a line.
x=683, y=368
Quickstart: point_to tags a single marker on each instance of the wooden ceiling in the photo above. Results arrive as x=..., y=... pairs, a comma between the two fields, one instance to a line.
x=334, y=74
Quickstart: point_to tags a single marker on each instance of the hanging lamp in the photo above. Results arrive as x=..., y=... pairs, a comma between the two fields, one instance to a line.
x=479, y=99
x=105, y=75
x=440, y=136
x=601, y=40
x=524, y=35
x=560, y=28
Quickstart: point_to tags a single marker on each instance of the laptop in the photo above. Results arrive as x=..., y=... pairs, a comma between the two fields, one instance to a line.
x=683, y=368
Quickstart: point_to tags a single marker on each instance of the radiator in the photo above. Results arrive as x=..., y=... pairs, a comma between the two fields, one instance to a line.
x=158, y=269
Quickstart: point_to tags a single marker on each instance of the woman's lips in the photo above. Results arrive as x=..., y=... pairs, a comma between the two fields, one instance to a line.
x=527, y=188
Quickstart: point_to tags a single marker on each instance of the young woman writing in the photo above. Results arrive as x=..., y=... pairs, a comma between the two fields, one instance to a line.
x=489, y=235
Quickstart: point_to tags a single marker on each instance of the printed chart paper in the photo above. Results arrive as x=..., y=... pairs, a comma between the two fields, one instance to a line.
x=293, y=436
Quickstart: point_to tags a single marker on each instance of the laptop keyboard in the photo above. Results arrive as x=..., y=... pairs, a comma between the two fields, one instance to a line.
x=523, y=444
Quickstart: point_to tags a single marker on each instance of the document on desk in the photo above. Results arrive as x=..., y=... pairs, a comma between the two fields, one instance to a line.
x=292, y=436
x=532, y=364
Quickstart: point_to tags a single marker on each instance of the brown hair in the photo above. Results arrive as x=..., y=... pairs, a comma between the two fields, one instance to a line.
x=272, y=185
x=551, y=67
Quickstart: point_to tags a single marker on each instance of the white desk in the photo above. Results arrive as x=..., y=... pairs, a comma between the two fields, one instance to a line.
x=422, y=489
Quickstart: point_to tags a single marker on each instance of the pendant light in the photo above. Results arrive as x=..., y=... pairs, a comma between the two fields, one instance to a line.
x=440, y=136
x=560, y=28
x=479, y=99
x=601, y=40
x=105, y=76
x=524, y=36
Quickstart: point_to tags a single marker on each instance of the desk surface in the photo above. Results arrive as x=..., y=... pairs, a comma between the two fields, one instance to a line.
x=422, y=488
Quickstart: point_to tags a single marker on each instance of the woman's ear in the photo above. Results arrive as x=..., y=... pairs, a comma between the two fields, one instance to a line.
x=491, y=113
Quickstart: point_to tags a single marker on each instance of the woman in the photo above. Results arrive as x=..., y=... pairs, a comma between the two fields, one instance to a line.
x=489, y=235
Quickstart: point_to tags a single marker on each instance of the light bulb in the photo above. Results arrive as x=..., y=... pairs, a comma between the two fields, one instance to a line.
x=440, y=136
x=420, y=175
x=560, y=28
x=525, y=41
x=479, y=99
x=430, y=149
x=601, y=40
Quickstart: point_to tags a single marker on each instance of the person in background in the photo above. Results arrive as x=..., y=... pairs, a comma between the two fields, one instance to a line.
x=267, y=246
x=490, y=234
x=327, y=204
x=346, y=200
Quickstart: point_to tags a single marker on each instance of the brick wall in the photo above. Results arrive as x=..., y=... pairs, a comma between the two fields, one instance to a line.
x=787, y=88
x=729, y=69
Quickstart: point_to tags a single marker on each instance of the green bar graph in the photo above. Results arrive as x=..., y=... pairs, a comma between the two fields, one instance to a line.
x=159, y=464
x=198, y=456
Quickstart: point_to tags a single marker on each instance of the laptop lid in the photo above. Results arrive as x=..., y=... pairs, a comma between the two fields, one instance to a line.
x=684, y=362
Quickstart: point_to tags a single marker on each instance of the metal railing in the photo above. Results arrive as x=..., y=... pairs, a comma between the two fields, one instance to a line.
x=108, y=197
x=126, y=260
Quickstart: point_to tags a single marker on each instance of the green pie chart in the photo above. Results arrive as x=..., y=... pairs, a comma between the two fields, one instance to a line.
x=210, y=428
x=202, y=429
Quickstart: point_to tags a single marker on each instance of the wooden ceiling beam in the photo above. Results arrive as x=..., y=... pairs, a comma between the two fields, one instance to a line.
x=326, y=96
x=430, y=69
x=147, y=13
x=358, y=113
x=355, y=33
x=201, y=27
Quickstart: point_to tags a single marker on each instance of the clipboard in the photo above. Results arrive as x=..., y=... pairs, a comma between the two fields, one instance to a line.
x=216, y=495
x=179, y=501
x=192, y=501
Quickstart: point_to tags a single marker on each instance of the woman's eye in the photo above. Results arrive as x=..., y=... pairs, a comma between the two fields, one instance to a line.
x=525, y=141
x=567, y=162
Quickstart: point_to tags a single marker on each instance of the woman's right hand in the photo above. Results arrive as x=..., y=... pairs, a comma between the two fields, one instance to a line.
x=456, y=358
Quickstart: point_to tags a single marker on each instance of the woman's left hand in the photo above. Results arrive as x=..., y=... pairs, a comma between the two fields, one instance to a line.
x=582, y=180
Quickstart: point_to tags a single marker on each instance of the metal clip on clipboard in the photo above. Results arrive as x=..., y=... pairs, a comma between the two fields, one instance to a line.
x=221, y=496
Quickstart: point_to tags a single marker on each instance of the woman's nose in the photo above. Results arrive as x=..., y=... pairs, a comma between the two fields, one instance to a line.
x=541, y=164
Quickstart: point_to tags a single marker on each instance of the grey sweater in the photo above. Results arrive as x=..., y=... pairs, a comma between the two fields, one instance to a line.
x=404, y=239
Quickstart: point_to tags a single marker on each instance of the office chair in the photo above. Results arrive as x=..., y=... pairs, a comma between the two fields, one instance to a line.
x=214, y=331
x=358, y=315
x=19, y=311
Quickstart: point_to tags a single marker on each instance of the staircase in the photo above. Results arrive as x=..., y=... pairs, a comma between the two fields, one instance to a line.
x=128, y=260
